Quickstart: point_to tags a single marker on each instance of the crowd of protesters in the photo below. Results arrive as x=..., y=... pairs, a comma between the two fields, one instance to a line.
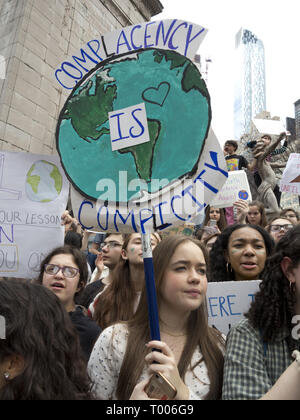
x=80, y=330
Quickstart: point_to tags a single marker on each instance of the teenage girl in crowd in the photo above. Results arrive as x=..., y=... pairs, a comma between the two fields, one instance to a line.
x=190, y=352
x=240, y=253
x=119, y=300
x=64, y=272
x=261, y=350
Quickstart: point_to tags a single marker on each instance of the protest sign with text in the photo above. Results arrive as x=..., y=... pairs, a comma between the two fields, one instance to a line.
x=227, y=302
x=235, y=188
x=290, y=181
x=33, y=196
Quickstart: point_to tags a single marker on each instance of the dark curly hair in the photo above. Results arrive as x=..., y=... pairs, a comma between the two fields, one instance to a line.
x=79, y=259
x=217, y=262
x=273, y=306
x=39, y=330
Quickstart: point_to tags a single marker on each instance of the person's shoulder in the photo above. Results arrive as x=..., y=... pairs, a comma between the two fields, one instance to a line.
x=243, y=328
x=79, y=317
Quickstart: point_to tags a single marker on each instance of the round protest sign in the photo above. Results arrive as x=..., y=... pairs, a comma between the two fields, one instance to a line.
x=132, y=137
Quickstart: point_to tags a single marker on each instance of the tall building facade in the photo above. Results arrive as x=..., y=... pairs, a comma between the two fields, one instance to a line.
x=250, y=81
x=297, y=118
x=38, y=35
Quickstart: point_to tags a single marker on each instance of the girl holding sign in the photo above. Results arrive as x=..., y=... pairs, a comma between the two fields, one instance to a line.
x=261, y=350
x=190, y=353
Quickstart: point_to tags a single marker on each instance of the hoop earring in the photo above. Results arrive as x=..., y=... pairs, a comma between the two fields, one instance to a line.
x=229, y=268
x=6, y=376
x=292, y=288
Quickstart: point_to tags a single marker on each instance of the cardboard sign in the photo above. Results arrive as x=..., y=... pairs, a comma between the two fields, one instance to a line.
x=170, y=34
x=272, y=127
x=290, y=181
x=141, y=166
x=33, y=196
x=235, y=188
x=128, y=127
x=227, y=302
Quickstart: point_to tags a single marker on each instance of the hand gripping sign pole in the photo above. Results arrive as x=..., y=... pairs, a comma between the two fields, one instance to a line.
x=150, y=287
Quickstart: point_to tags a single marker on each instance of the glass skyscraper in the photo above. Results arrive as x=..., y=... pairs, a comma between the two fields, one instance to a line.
x=250, y=81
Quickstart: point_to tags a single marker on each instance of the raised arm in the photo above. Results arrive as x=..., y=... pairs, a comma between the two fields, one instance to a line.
x=269, y=149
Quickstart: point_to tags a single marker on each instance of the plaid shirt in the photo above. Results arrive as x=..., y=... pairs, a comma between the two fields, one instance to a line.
x=252, y=367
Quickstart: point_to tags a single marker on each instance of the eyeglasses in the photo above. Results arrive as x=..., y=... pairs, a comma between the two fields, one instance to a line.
x=277, y=228
x=112, y=244
x=53, y=269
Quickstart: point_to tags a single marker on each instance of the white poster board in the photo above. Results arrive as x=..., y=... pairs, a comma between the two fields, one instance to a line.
x=235, y=188
x=290, y=181
x=272, y=127
x=227, y=302
x=33, y=196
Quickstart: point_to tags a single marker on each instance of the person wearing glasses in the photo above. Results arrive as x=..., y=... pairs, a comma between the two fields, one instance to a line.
x=64, y=272
x=106, y=261
x=278, y=227
x=119, y=299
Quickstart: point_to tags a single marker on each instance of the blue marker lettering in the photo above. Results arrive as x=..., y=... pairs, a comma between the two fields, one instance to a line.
x=11, y=239
x=139, y=123
x=170, y=44
x=222, y=300
x=174, y=212
x=124, y=221
x=122, y=34
x=144, y=221
x=148, y=36
x=161, y=29
x=211, y=306
x=119, y=127
x=230, y=305
x=214, y=158
x=92, y=49
x=79, y=214
x=187, y=191
x=206, y=184
x=135, y=47
x=189, y=40
x=99, y=216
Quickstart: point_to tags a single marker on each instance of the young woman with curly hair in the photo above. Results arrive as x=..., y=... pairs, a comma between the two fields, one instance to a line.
x=40, y=358
x=239, y=253
x=191, y=352
x=259, y=361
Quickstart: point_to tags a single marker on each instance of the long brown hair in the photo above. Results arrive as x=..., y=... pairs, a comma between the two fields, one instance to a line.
x=261, y=208
x=221, y=223
x=116, y=302
x=199, y=334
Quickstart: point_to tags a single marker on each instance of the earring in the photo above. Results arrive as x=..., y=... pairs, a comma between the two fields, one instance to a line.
x=229, y=268
x=6, y=376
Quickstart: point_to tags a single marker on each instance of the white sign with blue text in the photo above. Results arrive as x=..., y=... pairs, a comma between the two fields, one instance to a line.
x=227, y=302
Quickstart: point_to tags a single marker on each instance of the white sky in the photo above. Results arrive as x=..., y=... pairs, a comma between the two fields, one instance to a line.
x=275, y=22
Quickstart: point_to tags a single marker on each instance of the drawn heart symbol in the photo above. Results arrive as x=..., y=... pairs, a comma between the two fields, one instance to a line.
x=157, y=96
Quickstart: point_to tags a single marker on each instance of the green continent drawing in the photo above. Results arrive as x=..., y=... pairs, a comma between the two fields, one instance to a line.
x=88, y=112
x=143, y=153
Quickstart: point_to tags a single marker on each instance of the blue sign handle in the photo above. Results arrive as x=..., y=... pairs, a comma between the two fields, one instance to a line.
x=150, y=287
